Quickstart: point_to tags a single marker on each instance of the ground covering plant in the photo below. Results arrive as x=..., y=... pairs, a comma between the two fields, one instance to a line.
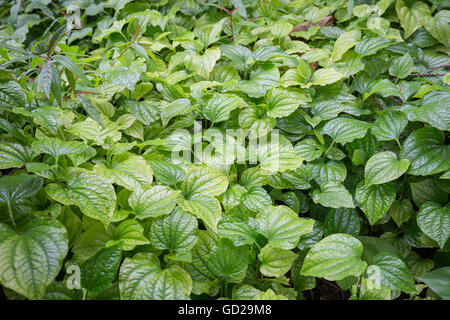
x=117, y=121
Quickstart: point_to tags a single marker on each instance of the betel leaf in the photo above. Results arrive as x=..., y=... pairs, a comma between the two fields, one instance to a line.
x=31, y=259
x=130, y=234
x=425, y=150
x=153, y=201
x=342, y=220
x=240, y=229
x=282, y=226
x=333, y=195
x=11, y=94
x=434, y=221
x=375, y=200
x=175, y=231
x=228, y=262
x=391, y=272
x=334, y=258
x=94, y=196
x=439, y=281
x=384, y=167
x=344, y=130
x=224, y=150
x=401, y=67
x=275, y=262
x=411, y=18
x=129, y=171
x=99, y=271
x=219, y=107
x=57, y=147
x=389, y=126
x=19, y=187
x=202, y=64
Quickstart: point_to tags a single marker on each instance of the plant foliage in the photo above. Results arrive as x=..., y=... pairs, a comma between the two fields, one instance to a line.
x=116, y=121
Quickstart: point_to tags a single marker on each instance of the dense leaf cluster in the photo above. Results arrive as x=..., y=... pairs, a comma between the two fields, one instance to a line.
x=99, y=100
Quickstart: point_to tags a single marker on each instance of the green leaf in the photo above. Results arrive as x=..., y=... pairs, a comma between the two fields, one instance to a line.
x=175, y=232
x=334, y=258
x=57, y=147
x=342, y=220
x=130, y=233
x=135, y=275
x=426, y=151
x=203, y=179
x=153, y=201
x=282, y=103
x=375, y=200
x=94, y=196
x=326, y=76
x=125, y=74
x=239, y=55
x=67, y=63
x=19, y=187
x=427, y=190
x=384, y=167
x=401, y=211
x=166, y=172
x=345, y=42
x=45, y=77
x=220, y=105
x=175, y=108
x=391, y=272
x=128, y=171
x=282, y=226
x=31, y=259
x=11, y=94
x=261, y=80
x=227, y=262
x=333, y=195
x=345, y=130
x=434, y=221
x=14, y=155
x=401, y=67
x=202, y=64
x=275, y=262
x=370, y=46
x=99, y=271
x=389, y=126
x=204, y=207
x=173, y=283
x=438, y=280
x=240, y=229
x=411, y=18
